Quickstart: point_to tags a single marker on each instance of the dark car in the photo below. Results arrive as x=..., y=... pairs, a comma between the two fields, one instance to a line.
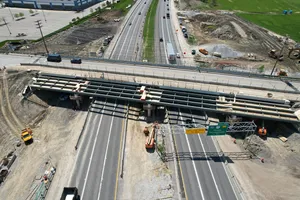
x=145, y=2
x=130, y=24
x=54, y=58
x=76, y=61
x=193, y=52
x=167, y=4
x=186, y=35
x=189, y=123
x=168, y=9
x=164, y=17
x=161, y=39
x=140, y=13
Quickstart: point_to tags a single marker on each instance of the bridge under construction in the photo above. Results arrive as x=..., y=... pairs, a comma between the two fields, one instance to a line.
x=231, y=104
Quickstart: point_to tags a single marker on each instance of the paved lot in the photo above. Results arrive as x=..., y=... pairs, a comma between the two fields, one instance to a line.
x=54, y=21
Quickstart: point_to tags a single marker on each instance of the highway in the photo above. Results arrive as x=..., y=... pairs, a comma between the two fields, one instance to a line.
x=203, y=177
x=164, y=30
x=97, y=162
x=129, y=44
x=13, y=60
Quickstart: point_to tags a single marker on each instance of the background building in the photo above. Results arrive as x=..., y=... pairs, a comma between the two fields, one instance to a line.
x=76, y=5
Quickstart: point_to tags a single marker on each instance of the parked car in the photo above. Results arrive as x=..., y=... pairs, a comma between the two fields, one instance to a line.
x=186, y=35
x=140, y=13
x=178, y=55
x=161, y=39
x=76, y=61
x=164, y=17
x=193, y=52
x=130, y=24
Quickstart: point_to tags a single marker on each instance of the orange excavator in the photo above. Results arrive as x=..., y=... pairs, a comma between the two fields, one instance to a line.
x=150, y=141
x=262, y=131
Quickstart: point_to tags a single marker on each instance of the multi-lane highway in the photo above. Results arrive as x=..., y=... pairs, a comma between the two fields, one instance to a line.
x=164, y=30
x=128, y=45
x=203, y=177
x=96, y=169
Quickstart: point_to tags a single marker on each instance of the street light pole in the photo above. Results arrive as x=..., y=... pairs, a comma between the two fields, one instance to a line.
x=44, y=15
x=39, y=26
x=11, y=14
x=6, y=25
x=285, y=42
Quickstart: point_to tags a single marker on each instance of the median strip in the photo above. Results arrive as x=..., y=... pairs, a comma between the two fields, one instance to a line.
x=148, y=51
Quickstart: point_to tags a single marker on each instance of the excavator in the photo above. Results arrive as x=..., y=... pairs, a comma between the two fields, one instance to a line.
x=150, y=141
x=262, y=131
x=26, y=135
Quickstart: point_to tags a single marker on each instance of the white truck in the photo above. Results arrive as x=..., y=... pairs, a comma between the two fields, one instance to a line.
x=170, y=52
x=70, y=193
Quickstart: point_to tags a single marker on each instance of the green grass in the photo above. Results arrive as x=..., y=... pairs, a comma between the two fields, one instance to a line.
x=258, y=5
x=148, y=33
x=281, y=24
x=122, y=5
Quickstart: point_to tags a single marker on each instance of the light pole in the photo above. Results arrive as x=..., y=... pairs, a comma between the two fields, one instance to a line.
x=11, y=14
x=44, y=15
x=285, y=42
x=6, y=25
x=39, y=26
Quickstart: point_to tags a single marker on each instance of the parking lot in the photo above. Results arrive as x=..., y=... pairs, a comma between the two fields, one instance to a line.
x=51, y=21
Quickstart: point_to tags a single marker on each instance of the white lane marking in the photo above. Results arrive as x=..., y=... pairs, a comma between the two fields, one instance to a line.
x=107, y=144
x=134, y=17
x=163, y=36
x=174, y=160
x=194, y=166
x=137, y=25
x=94, y=145
x=213, y=177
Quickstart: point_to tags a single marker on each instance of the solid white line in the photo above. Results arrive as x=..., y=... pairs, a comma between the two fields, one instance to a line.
x=134, y=17
x=107, y=144
x=213, y=177
x=94, y=145
x=188, y=143
x=175, y=163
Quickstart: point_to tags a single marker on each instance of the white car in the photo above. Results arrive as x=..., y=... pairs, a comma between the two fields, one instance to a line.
x=116, y=20
x=178, y=55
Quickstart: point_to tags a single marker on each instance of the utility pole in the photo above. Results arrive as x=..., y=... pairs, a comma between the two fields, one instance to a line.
x=6, y=25
x=11, y=14
x=284, y=43
x=39, y=26
x=44, y=15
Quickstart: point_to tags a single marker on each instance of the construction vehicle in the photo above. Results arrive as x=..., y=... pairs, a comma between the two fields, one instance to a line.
x=262, y=131
x=294, y=52
x=170, y=52
x=26, y=135
x=203, y=51
x=70, y=193
x=275, y=55
x=282, y=72
x=150, y=141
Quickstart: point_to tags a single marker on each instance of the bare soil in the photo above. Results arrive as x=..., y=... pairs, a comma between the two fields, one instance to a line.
x=225, y=28
x=276, y=178
x=145, y=175
x=55, y=132
x=79, y=40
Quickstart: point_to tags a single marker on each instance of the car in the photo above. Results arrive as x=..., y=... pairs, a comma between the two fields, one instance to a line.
x=178, y=55
x=186, y=35
x=130, y=24
x=76, y=61
x=161, y=39
x=164, y=17
x=145, y=2
x=189, y=123
x=116, y=20
x=167, y=4
x=140, y=13
x=168, y=9
x=193, y=52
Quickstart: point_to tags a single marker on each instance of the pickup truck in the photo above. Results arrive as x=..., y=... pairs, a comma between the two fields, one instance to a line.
x=70, y=193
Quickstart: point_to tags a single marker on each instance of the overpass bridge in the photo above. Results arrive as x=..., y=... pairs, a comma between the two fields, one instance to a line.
x=252, y=107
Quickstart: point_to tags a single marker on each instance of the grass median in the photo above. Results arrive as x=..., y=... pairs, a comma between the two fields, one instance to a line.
x=148, y=49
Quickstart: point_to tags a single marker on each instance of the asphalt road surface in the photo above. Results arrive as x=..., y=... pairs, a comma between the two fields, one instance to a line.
x=164, y=30
x=96, y=170
x=13, y=60
x=203, y=177
x=129, y=45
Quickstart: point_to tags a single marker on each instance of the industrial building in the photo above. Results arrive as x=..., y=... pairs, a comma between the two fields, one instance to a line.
x=76, y=5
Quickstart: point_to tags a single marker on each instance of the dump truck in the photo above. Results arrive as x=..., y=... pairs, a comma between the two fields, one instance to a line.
x=203, y=51
x=70, y=193
x=26, y=135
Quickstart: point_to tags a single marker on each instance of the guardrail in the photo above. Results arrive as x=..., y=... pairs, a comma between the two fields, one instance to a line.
x=232, y=179
x=124, y=142
x=169, y=78
x=193, y=68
